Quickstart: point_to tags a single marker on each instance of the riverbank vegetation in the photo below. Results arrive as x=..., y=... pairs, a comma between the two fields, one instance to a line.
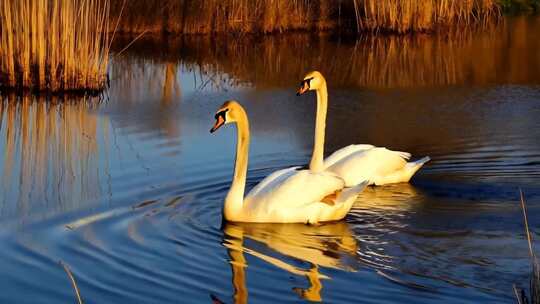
x=404, y=16
x=64, y=45
x=457, y=57
x=245, y=16
x=54, y=45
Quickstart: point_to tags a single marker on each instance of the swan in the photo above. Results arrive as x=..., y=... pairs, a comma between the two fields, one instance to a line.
x=285, y=196
x=355, y=163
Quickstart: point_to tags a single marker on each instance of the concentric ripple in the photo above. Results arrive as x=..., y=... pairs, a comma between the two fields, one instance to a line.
x=128, y=191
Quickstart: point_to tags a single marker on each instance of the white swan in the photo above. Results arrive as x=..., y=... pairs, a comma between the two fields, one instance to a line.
x=355, y=163
x=285, y=196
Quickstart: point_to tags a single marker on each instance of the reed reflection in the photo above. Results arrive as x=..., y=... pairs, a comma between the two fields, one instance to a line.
x=50, y=153
x=472, y=56
x=149, y=88
x=330, y=245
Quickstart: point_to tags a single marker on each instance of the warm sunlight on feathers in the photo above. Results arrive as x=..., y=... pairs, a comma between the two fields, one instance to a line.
x=285, y=196
x=355, y=163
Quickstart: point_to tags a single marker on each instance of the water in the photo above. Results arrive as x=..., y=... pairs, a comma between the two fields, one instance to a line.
x=127, y=190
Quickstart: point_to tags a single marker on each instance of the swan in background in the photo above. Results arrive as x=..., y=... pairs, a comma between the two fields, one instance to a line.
x=355, y=163
x=285, y=196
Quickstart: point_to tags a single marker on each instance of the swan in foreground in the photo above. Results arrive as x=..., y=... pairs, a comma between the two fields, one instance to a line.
x=355, y=163
x=285, y=196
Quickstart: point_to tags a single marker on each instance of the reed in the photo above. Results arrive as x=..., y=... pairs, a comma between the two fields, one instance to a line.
x=224, y=16
x=266, y=16
x=534, y=288
x=73, y=282
x=403, y=16
x=54, y=45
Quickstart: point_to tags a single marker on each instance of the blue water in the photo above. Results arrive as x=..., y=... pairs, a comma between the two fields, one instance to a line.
x=127, y=189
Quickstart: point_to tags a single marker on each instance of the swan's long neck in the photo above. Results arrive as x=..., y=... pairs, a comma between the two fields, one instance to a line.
x=235, y=198
x=316, y=163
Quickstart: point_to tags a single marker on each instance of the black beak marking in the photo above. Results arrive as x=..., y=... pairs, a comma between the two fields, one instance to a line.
x=220, y=120
x=302, y=84
x=221, y=113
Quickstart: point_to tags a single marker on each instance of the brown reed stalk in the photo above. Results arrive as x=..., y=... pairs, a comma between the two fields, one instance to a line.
x=226, y=16
x=534, y=289
x=215, y=16
x=402, y=16
x=245, y=16
x=54, y=45
x=73, y=282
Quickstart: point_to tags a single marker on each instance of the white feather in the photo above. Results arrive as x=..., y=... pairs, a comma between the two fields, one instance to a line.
x=285, y=196
x=375, y=165
x=344, y=152
x=293, y=196
x=356, y=163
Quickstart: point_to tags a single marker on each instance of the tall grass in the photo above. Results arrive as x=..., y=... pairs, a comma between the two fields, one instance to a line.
x=534, y=288
x=266, y=16
x=54, y=45
x=224, y=16
x=403, y=16
x=73, y=282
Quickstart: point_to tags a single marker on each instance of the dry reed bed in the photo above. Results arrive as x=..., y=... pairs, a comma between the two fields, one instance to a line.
x=63, y=45
x=247, y=16
x=54, y=45
x=224, y=16
x=402, y=16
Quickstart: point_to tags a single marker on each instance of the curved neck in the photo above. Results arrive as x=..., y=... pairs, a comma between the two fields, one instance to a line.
x=316, y=163
x=235, y=197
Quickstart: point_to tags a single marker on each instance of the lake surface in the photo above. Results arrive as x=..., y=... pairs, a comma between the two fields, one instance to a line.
x=127, y=189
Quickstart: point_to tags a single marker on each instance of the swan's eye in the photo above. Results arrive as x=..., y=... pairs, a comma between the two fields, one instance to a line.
x=222, y=114
x=307, y=81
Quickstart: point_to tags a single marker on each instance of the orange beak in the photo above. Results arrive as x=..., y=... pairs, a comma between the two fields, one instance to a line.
x=304, y=87
x=219, y=122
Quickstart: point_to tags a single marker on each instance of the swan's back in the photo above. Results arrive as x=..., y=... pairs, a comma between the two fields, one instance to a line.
x=345, y=152
x=292, y=189
x=372, y=164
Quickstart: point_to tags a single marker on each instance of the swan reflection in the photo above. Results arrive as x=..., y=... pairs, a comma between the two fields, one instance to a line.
x=331, y=245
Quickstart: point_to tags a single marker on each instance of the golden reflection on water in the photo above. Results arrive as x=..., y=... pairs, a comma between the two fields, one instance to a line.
x=135, y=79
x=56, y=149
x=389, y=197
x=171, y=87
x=149, y=86
x=468, y=56
x=50, y=152
x=320, y=246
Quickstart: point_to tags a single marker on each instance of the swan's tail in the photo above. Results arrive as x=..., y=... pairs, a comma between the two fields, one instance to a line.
x=347, y=197
x=404, y=174
x=412, y=167
x=351, y=192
